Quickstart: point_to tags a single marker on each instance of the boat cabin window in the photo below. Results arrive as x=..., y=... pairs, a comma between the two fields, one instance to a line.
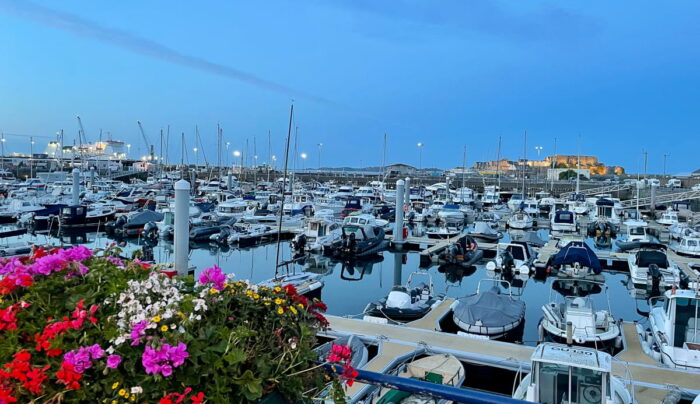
x=517, y=251
x=563, y=384
x=565, y=217
x=637, y=231
x=605, y=211
x=646, y=258
x=692, y=243
x=687, y=324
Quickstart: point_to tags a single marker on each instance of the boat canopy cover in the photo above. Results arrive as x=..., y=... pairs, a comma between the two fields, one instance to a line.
x=490, y=308
x=563, y=216
x=578, y=251
x=647, y=257
x=143, y=217
x=604, y=202
x=484, y=228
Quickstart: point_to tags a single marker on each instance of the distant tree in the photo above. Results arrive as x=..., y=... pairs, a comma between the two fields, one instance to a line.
x=567, y=175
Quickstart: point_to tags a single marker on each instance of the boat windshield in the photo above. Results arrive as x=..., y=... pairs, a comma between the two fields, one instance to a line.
x=560, y=383
x=637, y=231
x=687, y=328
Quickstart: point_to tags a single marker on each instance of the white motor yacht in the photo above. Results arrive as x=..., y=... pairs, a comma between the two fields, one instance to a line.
x=650, y=264
x=564, y=374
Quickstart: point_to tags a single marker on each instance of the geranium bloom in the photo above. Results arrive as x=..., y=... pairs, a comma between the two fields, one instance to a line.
x=214, y=276
x=113, y=361
x=165, y=359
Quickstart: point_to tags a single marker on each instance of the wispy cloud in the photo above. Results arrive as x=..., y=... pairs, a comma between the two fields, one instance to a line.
x=82, y=27
x=545, y=22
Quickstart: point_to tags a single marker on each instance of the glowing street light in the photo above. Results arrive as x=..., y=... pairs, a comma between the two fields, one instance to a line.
x=319, y=155
x=237, y=153
x=196, y=157
x=128, y=150
x=420, y=155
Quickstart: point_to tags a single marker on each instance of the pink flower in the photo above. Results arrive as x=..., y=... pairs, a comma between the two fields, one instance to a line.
x=165, y=359
x=137, y=331
x=83, y=357
x=113, y=361
x=78, y=253
x=214, y=276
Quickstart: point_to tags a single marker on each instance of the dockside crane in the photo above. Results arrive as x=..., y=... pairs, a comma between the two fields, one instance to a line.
x=149, y=146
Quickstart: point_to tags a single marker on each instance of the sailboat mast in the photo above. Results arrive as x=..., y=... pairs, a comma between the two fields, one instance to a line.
x=498, y=164
x=578, y=165
x=464, y=172
x=269, y=153
x=554, y=159
x=524, y=162
x=284, y=181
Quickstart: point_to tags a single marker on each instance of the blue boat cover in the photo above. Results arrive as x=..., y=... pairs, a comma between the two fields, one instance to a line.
x=578, y=251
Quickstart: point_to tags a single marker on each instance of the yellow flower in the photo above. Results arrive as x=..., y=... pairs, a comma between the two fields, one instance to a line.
x=249, y=293
x=115, y=385
x=301, y=306
x=133, y=397
x=267, y=303
x=122, y=392
x=213, y=291
x=278, y=289
x=280, y=310
x=181, y=314
x=256, y=296
x=114, y=401
x=293, y=309
x=227, y=285
x=278, y=301
x=164, y=328
x=156, y=319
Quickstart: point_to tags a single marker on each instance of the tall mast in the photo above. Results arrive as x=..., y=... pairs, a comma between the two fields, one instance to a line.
x=498, y=164
x=578, y=165
x=284, y=181
x=464, y=171
x=554, y=159
x=269, y=153
x=381, y=171
x=524, y=162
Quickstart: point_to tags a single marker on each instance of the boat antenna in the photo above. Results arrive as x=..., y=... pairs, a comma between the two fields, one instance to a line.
x=284, y=181
x=498, y=163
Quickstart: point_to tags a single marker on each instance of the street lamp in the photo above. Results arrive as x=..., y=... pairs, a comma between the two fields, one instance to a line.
x=128, y=150
x=303, y=158
x=274, y=161
x=227, y=146
x=319, y=156
x=31, y=157
x=420, y=155
x=665, y=156
x=196, y=157
x=237, y=153
x=539, y=149
x=2, y=143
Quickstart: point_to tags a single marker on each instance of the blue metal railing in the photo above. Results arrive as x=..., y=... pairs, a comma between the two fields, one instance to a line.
x=456, y=394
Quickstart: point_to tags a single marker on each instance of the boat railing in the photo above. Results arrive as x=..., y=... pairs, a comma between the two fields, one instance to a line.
x=627, y=379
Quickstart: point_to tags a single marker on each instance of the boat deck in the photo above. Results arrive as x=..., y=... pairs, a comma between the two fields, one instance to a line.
x=650, y=379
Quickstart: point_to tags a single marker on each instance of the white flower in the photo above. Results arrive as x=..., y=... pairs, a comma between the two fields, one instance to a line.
x=136, y=390
x=110, y=350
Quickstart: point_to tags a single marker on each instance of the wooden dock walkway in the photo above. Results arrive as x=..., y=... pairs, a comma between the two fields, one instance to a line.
x=650, y=379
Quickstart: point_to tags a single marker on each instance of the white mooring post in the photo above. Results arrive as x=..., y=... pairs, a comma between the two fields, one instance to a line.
x=398, y=223
x=76, y=186
x=407, y=193
x=182, y=236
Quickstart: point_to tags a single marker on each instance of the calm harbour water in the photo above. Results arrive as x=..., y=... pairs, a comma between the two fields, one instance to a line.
x=348, y=289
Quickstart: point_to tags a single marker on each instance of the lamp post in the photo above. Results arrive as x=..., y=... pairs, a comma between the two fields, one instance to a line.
x=128, y=150
x=319, y=156
x=303, y=161
x=420, y=156
x=227, y=146
x=196, y=157
x=31, y=157
x=274, y=162
x=665, y=156
x=237, y=153
x=2, y=143
x=537, y=171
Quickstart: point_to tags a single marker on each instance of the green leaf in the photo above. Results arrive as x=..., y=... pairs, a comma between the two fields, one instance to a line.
x=250, y=385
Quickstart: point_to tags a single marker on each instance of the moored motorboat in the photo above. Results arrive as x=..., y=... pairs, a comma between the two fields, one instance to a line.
x=489, y=313
x=406, y=303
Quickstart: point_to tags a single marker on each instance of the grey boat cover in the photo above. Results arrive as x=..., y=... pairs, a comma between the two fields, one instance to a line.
x=484, y=228
x=143, y=217
x=491, y=307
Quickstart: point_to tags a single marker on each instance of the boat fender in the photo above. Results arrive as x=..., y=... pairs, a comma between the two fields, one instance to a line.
x=618, y=342
x=656, y=352
x=540, y=332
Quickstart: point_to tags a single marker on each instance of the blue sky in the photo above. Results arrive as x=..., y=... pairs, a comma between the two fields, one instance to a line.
x=623, y=75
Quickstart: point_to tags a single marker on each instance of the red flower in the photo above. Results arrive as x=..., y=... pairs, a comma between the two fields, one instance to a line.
x=36, y=378
x=290, y=289
x=319, y=305
x=321, y=319
x=6, y=396
x=69, y=377
x=197, y=398
x=349, y=375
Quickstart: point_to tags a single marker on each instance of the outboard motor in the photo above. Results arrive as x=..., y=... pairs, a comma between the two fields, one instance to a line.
x=300, y=242
x=655, y=276
x=150, y=230
x=120, y=222
x=508, y=262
